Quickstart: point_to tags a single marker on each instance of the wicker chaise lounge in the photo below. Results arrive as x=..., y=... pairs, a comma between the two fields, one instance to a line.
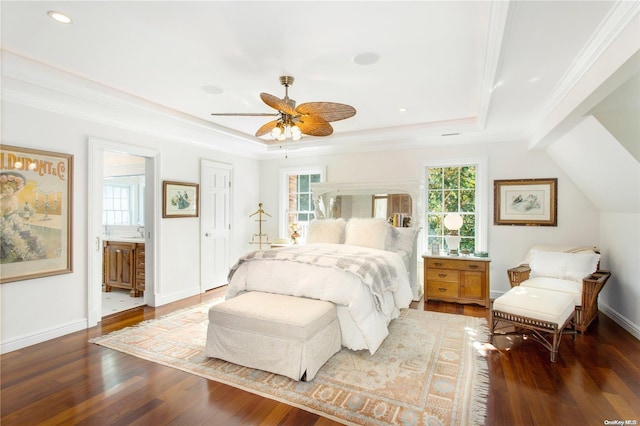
x=587, y=310
x=556, y=292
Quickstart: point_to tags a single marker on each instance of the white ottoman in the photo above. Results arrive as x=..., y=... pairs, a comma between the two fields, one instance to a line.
x=291, y=336
x=538, y=310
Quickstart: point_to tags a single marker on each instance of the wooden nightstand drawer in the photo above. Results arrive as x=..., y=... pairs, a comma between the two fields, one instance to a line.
x=438, y=289
x=472, y=266
x=447, y=275
x=441, y=263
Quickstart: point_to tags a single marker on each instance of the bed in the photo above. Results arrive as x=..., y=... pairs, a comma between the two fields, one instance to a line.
x=359, y=265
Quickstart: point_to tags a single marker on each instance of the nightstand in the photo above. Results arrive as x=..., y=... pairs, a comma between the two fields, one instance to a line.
x=459, y=279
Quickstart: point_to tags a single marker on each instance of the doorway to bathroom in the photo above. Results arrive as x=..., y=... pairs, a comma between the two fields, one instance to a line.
x=122, y=227
x=123, y=236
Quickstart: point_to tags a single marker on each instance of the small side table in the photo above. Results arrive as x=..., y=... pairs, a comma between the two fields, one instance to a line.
x=458, y=279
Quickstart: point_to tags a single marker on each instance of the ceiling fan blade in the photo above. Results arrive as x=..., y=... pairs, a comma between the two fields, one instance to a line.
x=267, y=128
x=314, y=125
x=244, y=114
x=330, y=111
x=277, y=103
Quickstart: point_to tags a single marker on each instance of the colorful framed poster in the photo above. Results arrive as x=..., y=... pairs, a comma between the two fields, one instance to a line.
x=36, y=199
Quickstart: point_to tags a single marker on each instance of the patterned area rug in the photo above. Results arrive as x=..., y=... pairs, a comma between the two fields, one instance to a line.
x=428, y=371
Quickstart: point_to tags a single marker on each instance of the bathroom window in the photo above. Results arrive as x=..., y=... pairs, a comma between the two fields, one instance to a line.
x=121, y=201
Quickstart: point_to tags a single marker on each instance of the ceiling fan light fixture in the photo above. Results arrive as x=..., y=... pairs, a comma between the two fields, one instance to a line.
x=277, y=131
x=296, y=133
x=310, y=118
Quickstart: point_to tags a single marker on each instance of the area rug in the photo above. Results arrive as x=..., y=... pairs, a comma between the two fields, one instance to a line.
x=428, y=371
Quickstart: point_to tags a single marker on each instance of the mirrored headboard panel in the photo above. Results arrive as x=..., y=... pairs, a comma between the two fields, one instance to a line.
x=368, y=199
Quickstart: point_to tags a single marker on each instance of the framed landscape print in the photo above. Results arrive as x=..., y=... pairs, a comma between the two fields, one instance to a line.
x=36, y=194
x=531, y=202
x=179, y=199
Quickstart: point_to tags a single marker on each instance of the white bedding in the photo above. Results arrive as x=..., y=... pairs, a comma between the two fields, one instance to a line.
x=363, y=319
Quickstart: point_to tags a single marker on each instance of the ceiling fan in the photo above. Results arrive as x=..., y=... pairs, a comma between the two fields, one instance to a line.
x=311, y=118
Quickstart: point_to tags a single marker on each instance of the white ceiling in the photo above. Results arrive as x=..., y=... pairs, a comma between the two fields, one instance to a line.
x=487, y=70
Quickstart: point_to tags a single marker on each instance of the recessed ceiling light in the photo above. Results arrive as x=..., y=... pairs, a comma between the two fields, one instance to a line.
x=366, y=58
x=212, y=90
x=403, y=109
x=59, y=17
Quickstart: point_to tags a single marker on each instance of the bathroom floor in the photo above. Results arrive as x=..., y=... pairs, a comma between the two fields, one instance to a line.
x=118, y=300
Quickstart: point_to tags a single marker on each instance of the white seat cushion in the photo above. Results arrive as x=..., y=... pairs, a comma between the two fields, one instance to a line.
x=286, y=335
x=274, y=314
x=556, y=284
x=536, y=303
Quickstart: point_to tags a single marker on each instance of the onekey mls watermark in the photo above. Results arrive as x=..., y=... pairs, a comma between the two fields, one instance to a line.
x=620, y=422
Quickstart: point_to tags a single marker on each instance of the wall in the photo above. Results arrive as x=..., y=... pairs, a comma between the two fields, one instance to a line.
x=620, y=245
x=610, y=176
x=40, y=309
x=578, y=219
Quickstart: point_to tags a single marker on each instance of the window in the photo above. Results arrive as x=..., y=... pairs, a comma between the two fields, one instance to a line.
x=117, y=201
x=299, y=206
x=121, y=204
x=456, y=188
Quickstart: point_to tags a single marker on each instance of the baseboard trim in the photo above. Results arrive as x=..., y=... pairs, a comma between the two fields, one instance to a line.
x=163, y=299
x=621, y=320
x=42, y=336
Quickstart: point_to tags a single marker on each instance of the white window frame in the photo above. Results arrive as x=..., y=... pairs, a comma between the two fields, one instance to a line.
x=136, y=191
x=482, y=197
x=283, y=231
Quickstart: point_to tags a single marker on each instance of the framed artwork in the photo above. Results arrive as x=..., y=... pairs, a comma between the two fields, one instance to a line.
x=36, y=198
x=180, y=199
x=529, y=202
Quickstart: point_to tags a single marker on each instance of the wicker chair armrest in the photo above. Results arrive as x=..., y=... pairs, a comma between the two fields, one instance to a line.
x=518, y=274
x=591, y=286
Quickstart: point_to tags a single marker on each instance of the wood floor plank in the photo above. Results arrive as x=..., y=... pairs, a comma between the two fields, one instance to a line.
x=70, y=381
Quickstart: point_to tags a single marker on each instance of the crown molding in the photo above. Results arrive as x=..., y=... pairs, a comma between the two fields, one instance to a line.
x=499, y=23
x=33, y=84
x=620, y=15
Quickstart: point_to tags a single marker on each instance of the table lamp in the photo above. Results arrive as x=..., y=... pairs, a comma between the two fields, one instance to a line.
x=453, y=222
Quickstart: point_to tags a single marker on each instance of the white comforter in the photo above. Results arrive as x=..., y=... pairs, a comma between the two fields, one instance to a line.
x=363, y=316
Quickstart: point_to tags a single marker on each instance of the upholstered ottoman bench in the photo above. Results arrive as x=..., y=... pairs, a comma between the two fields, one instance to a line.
x=545, y=313
x=291, y=336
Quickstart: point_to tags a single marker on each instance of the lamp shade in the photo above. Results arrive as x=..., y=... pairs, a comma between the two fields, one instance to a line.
x=453, y=221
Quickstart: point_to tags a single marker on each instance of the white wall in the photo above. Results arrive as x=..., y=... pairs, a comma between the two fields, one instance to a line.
x=620, y=245
x=40, y=309
x=610, y=176
x=578, y=219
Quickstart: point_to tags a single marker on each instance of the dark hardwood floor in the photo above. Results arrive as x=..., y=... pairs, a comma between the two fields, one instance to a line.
x=70, y=381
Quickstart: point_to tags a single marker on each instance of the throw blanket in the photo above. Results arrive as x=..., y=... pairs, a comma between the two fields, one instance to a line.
x=374, y=270
x=368, y=286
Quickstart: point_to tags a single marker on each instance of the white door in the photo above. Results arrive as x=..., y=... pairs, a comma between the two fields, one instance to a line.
x=215, y=208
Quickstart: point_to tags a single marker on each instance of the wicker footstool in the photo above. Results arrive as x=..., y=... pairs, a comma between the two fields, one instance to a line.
x=291, y=336
x=546, y=314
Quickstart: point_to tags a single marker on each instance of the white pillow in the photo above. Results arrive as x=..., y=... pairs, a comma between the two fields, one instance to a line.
x=326, y=231
x=566, y=266
x=402, y=240
x=365, y=232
